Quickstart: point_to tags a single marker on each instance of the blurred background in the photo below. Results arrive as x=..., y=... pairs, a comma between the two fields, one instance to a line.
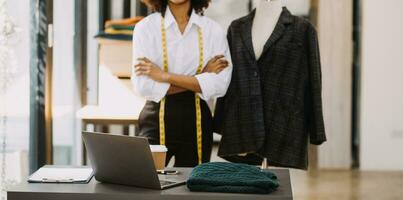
x=63, y=72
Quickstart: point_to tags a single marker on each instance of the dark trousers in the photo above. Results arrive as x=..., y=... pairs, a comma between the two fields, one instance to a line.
x=180, y=128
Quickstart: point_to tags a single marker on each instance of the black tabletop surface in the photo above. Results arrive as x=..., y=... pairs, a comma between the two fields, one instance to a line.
x=102, y=191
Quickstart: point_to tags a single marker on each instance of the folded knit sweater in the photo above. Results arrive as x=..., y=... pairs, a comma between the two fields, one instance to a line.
x=231, y=178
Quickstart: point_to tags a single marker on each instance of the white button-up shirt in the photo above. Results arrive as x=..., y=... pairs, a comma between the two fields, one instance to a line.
x=183, y=54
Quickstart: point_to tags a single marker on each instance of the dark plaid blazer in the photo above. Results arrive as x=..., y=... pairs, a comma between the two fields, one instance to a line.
x=273, y=106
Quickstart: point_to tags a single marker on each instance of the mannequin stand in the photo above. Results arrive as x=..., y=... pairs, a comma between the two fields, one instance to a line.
x=264, y=164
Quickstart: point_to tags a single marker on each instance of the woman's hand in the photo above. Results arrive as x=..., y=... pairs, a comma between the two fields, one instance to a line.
x=216, y=65
x=147, y=68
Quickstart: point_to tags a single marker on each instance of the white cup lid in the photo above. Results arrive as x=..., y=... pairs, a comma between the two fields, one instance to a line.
x=158, y=148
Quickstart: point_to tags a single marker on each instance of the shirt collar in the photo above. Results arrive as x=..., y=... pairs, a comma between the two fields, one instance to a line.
x=170, y=19
x=195, y=19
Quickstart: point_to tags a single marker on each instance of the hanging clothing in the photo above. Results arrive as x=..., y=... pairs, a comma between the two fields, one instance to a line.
x=183, y=57
x=182, y=122
x=273, y=104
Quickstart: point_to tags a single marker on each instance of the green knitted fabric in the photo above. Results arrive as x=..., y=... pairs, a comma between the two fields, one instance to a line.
x=231, y=178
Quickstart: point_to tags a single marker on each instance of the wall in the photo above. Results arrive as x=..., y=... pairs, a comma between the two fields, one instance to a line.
x=66, y=99
x=381, y=79
x=17, y=97
x=225, y=11
x=296, y=7
x=335, y=39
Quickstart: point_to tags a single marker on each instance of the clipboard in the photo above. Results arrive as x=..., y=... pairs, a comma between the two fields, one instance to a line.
x=62, y=174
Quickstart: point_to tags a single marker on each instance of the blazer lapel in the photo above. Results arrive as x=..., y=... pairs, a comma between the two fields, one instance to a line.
x=246, y=33
x=278, y=31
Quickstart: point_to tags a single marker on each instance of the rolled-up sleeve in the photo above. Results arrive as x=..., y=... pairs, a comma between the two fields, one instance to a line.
x=215, y=85
x=142, y=47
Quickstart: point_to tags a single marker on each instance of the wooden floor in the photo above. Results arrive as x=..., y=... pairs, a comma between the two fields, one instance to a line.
x=347, y=184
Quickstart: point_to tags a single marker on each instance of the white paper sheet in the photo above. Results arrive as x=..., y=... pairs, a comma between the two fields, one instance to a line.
x=61, y=174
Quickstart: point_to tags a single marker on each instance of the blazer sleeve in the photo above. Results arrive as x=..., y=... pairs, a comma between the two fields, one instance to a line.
x=316, y=126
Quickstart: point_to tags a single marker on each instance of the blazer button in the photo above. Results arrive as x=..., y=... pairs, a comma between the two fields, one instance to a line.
x=255, y=73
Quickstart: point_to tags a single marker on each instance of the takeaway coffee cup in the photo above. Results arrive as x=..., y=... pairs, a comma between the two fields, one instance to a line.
x=159, y=153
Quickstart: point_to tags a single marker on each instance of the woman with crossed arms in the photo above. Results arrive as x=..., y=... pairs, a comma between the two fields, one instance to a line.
x=181, y=60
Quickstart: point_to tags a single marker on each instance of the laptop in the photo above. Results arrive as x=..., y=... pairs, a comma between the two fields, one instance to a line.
x=124, y=160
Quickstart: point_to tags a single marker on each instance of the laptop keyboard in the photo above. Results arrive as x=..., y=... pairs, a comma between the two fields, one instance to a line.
x=165, y=182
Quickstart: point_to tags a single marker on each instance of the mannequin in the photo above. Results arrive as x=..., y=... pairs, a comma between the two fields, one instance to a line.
x=273, y=106
x=266, y=17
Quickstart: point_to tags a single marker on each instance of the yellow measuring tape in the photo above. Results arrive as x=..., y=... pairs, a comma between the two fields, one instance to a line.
x=197, y=98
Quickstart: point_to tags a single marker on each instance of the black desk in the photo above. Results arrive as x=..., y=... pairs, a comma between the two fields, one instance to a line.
x=102, y=191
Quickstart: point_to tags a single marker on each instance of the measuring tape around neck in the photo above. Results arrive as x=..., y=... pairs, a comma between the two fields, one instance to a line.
x=197, y=98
